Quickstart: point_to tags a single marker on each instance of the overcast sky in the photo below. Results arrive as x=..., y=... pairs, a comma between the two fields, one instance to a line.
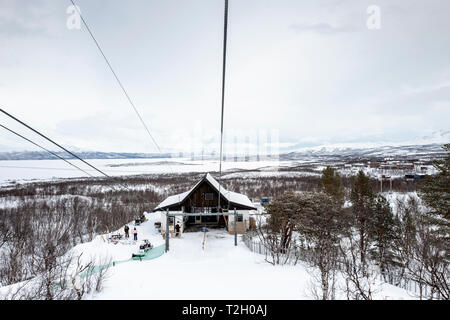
x=311, y=70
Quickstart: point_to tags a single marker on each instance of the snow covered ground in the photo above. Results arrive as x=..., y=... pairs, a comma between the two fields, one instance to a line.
x=25, y=170
x=221, y=271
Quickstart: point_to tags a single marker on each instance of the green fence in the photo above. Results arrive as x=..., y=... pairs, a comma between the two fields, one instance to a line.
x=149, y=255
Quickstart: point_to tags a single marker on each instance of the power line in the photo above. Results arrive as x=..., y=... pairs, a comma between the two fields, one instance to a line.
x=51, y=152
x=58, y=145
x=69, y=152
x=115, y=75
x=224, y=59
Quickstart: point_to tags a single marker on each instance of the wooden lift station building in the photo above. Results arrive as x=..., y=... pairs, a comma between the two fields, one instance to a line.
x=198, y=207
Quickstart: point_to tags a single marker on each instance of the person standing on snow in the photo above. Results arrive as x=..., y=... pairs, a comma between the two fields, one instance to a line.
x=177, y=230
x=127, y=234
x=135, y=233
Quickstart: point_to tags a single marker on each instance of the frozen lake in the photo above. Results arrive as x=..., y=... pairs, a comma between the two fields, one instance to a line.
x=26, y=170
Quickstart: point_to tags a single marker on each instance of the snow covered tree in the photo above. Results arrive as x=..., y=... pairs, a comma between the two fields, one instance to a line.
x=320, y=224
x=277, y=233
x=423, y=252
x=427, y=262
x=432, y=241
x=362, y=198
x=382, y=232
x=406, y=220
x=283, y=212
x=436, y=195
x=4, y=233
x=360, y=277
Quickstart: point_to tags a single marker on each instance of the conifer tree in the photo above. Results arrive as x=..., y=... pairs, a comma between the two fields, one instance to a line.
x=331, y=184
x=321, y=225
x=382, y=231
x=361, y=197
x=436, y=195
x=282, y=214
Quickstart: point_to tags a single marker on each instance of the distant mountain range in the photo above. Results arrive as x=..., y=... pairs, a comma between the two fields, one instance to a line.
x=406, y=151
x=38, y=155
x=425, y=145
x=435, y=138
x=352, y=150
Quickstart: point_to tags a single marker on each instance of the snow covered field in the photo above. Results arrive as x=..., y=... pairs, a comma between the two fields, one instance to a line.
x=32, y=170
x=221, y=271
x=25, y=170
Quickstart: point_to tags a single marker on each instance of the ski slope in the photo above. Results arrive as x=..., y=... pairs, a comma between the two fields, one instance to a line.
x=220, y=271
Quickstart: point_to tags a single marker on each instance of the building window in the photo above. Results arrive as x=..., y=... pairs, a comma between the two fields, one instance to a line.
x=212, y=219
x=209, y=196
x=239, y=217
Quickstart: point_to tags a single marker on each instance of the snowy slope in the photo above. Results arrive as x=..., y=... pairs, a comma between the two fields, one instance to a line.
x=221, y=271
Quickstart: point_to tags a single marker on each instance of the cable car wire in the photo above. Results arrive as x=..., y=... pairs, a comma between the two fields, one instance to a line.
x=58, y=145
x=51, y=152
x=116, y=76
x=224, y=60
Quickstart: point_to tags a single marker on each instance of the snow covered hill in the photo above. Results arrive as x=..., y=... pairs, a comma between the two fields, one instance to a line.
x=221, y=271
x=364, y=150
x=43, y=155
x=427, y=144
x=423, y=145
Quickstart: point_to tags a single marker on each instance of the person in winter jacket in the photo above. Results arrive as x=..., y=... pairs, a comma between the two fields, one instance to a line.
x=127, y=233
x=135, y=234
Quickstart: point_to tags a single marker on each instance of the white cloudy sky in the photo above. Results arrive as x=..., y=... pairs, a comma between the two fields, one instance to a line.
x=311, y=70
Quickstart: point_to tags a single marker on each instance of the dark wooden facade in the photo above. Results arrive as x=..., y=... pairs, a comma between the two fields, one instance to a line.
x=204, y=197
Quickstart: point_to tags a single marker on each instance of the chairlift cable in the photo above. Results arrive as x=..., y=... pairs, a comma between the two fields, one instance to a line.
x=52, y=141
x=51, y=152
x=224, y=58
x=116, y=77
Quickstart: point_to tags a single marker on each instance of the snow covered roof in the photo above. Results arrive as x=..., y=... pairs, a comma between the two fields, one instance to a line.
x=232, y=197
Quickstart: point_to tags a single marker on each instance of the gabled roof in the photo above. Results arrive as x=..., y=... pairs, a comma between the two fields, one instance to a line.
x=232, y=197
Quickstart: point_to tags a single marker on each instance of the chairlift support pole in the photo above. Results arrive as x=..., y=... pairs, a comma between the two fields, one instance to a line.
x=167, y=230
x=235, y=231
x=185, y=214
